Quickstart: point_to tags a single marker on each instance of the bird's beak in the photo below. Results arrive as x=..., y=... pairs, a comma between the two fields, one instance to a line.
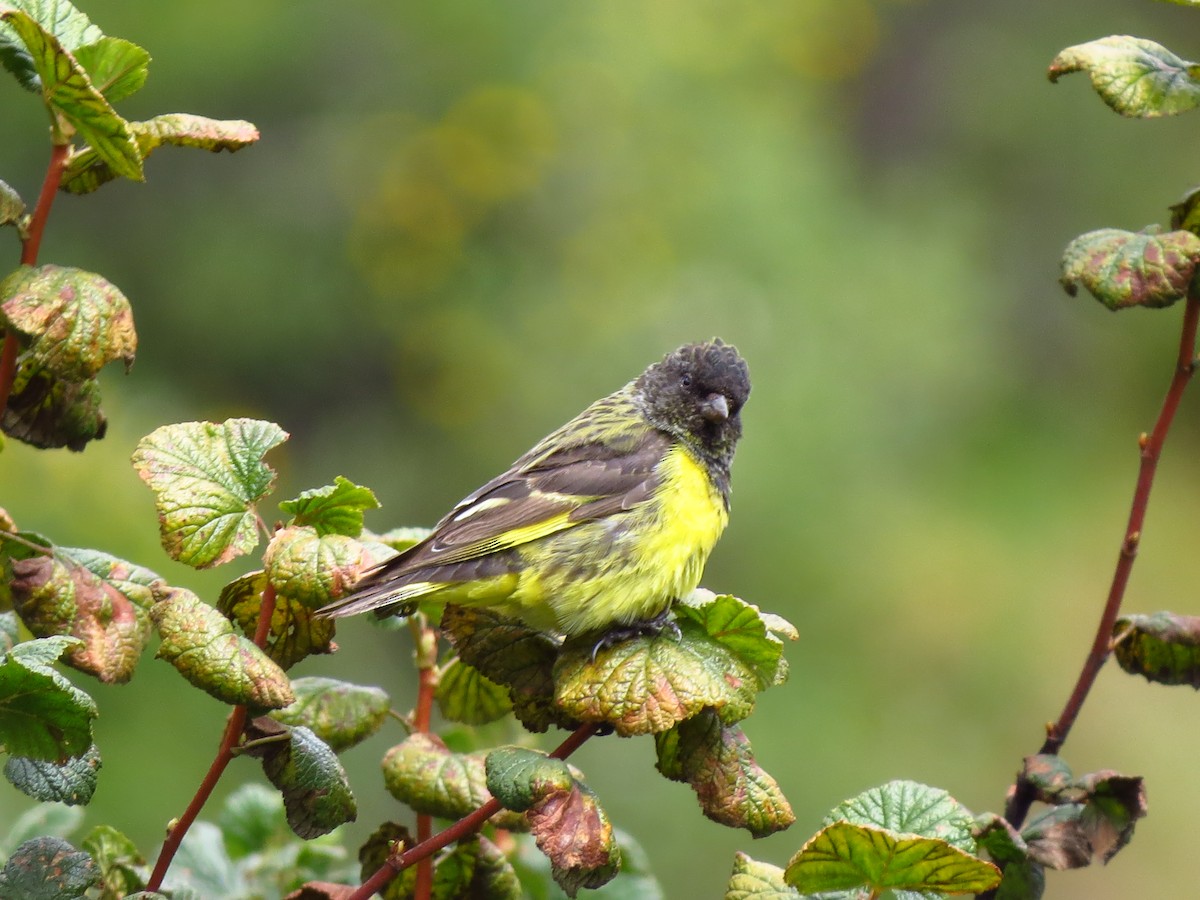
x=715, y=408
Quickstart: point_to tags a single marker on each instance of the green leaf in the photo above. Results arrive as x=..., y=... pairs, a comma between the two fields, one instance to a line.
x=1099, y=823
x=718, y=763
x=43, y=820
x=908, y=807
x=295, y=631
x=310, y=568
x=511, y=654
x=206, y=479
x=1134, y=76
x=102, y=600
x=69, y=25
x=42, y=715
x=250, y=818
x=116, y=67
x=71, y=322
x=422, y=774
x=1162, y=647
x=200, y=642
x=12, y=207
x=564, y=815
x=1124, y=268
x=334, y=509
x=49, y=412
x=375, y=852
x=1024, y=879
x=754, y=880
x=316, y=793
x=9, y=631
x=466, y=695
x=339, y=713
x=87, y=170
x=68, y=92
x=203, y=866
x=72, y=782
x=519, y=777
x=1185, y=214
x=454, y=871
x=1048, y=774
x=475, y=868
x=1056, y=838
x=843, y=857
x=1115, y=803
x=118, y=859
x=47, y=868
x=741, y=628
x=494, y=876
x=649, y=684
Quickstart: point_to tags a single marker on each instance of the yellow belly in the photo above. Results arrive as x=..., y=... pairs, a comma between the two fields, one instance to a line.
x=625, y=568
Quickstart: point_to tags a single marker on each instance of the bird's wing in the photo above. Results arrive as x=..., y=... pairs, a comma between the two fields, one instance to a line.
x=538, y=497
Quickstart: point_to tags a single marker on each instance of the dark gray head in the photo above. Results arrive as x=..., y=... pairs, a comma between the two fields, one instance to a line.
x=697, y=393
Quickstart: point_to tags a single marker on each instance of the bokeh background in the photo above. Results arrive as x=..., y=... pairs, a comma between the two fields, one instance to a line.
x=466, y=220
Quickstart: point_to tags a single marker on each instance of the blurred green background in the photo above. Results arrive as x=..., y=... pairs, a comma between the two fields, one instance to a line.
x=466, y=220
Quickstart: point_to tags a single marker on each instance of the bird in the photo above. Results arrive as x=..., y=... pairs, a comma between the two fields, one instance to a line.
x=602, y=525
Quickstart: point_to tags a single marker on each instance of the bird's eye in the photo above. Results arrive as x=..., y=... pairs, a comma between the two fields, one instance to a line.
x=686, y=381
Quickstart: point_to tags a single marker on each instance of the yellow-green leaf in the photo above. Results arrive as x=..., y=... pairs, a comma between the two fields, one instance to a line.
x=295, y=631
x=339, y=713
x=200, y=642
x=1134, y=76
x=87, y=169
x=206, y=479
x=68, y=92
x=843, y=857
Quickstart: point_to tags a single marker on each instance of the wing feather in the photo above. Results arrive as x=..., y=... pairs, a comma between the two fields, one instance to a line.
x=552, y=492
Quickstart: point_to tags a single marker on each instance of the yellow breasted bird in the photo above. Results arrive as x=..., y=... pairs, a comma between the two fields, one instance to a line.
x=604, y=523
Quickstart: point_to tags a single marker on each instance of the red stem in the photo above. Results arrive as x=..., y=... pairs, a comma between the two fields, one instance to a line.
x=225, y=752
x=30, y=245
x=233, y=731
x=1151, y=450
x=469, y=824
x=426, y=653
x=37, y=221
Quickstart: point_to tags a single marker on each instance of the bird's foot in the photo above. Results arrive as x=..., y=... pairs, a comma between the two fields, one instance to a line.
x=664, y=621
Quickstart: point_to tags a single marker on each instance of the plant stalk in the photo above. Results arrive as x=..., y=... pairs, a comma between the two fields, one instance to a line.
x=225, y=752
x=467, y=825
x=1151, y=446
x=30, y=245
x=425, y=652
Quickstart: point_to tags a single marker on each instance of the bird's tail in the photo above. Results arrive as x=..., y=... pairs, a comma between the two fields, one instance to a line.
x=383, y=598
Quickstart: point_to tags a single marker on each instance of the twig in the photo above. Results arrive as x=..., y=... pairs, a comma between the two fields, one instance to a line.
x=425, y=651
x=1151, y=445
x=469, y=824
x=225, y=752
x=30, y=245
x=233, y=730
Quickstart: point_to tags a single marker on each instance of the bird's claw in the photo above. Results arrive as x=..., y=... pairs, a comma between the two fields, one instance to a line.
x=663, y=622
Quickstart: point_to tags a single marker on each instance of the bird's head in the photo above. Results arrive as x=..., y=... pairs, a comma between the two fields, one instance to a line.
x=696, y=393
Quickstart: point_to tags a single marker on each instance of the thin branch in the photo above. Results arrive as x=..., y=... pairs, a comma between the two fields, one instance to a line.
x=30, y=245
x=467, y=825
x=233, y=730
x=1151, y=446
x=227, y=750
x=425, y=652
